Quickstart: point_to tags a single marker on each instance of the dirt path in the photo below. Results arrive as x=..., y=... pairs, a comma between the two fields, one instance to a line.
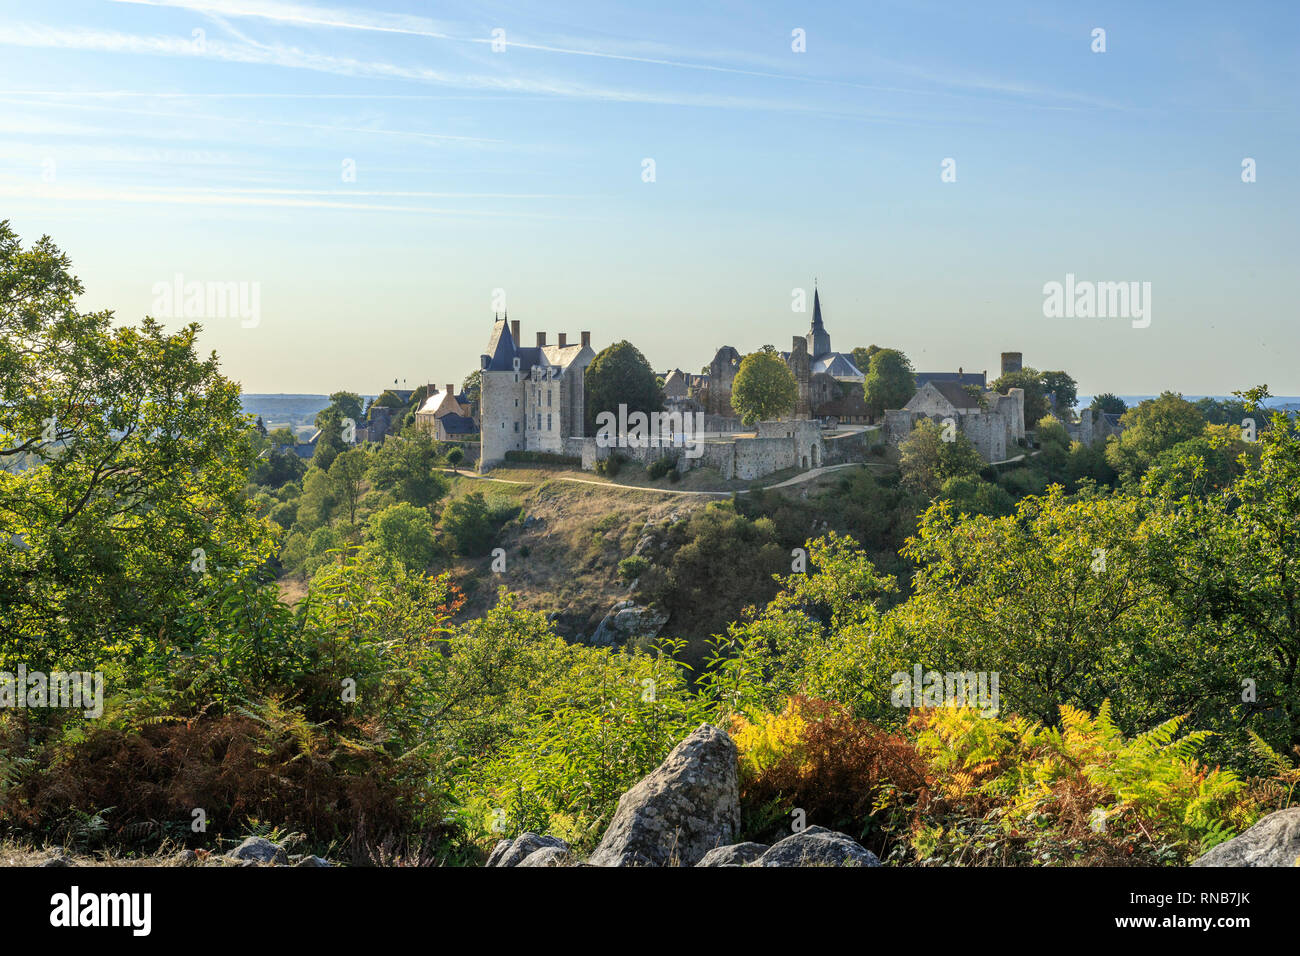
x=797, y=479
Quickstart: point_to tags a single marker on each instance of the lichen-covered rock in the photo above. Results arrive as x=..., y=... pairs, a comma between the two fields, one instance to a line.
x=687, y=806
x=627, y=620
x=1273, y=841
x=738, y=854
x=548, y=856
x=498, y=851
x=259, y=850
x=521, y=847
x=817, y=846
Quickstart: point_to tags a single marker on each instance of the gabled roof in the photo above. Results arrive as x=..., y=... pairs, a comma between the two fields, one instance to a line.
x=961, y=378
x=837, y=365
x=956, y=394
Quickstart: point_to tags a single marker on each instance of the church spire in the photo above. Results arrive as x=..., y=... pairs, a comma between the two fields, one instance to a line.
x=819, y=340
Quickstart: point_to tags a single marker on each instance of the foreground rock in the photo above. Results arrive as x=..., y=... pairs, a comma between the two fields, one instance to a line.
x=818, y=846
x=514, y=852
x=686, y=807
x=549, y=856
x=738, y=854
x=259, y=850
x=1273, y=841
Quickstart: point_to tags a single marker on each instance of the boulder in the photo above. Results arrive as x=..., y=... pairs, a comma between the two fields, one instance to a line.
x=627, y=620
x=522, y=847
x=548, y=856
x=313, y=861
x=1273, y=841
x=498, y=851
x=738, y=854
x=817, y=846
x=58, y=859
x=259, y=850
x=682, y=810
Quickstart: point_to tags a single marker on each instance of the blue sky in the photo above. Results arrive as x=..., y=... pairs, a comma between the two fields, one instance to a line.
x=146, y=149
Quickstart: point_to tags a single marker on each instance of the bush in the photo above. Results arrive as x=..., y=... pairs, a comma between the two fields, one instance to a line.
x=660, y=467
x=631, y=568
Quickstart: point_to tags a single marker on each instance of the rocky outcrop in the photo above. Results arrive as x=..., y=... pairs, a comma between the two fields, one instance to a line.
x=259, y=850
x=514, y=852
x=686, y=807
x=627, y=620
x=818, y=846
x=738, y=854
x=1273, y=841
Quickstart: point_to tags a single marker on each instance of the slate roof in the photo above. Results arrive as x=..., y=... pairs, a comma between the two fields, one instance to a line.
x=454, y=424
x=961, y=378
x=836, y=365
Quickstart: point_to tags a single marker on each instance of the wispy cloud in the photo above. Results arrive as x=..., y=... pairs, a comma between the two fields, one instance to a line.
x=292, y=199
x=952, y=84
x=294, y=58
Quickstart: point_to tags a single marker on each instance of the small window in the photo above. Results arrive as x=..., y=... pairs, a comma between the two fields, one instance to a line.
x=548, y=399
x=548, y=421
x=503, y=425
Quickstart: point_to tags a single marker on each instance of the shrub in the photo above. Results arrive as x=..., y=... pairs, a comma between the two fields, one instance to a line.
x=631, y=568
x=660, y=467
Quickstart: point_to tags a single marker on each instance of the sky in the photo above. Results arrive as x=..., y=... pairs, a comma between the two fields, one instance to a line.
x=378, y=179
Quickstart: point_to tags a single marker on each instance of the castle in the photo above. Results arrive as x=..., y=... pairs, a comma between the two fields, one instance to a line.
x=531, y=397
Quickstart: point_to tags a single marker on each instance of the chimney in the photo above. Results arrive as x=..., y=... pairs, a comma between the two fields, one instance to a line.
x=564, y=336
x=541, y=339
x=450, y=390
x=514, y=331
x=586, y=340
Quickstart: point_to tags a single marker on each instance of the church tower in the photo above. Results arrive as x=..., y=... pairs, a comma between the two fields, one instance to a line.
x=819, y=340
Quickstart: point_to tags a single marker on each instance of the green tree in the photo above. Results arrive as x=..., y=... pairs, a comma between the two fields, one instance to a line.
x=1109, y=403
x=889, y=382
x=1031, y=380
x=764, y=389
x=468, y=521
x=862, y=357
x=348, y=404
x=1150, y=428
x=931, y=455
x=348, y=473
x=620, y=375
x=283, y=436
x=405, y=533
x=1064, y=387
x=455, y=455
x=406, y=465
x=134, y=503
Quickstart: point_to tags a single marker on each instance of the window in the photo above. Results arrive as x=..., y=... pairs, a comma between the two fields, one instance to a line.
x=503, y=425
x=539, y=421
x=548, y=398
x=548, y=421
